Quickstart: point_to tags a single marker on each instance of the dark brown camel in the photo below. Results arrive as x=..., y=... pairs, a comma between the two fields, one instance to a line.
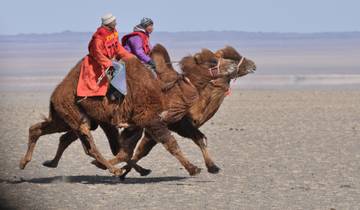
x=212, y=88
x=141, y=107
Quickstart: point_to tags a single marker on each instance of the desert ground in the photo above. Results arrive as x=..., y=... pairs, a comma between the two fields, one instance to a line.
x=278, y=149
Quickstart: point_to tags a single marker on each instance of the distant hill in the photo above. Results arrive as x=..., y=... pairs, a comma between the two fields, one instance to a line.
x=70, y=36
x=274, y=53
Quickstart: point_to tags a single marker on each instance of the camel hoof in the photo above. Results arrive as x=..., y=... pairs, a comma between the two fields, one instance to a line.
x=145, y=172
x=122, y=177
x=194, y=171
x=23, y=163
x=118, y=172
x=50, y=164
x=213, y=169
x=98, y=165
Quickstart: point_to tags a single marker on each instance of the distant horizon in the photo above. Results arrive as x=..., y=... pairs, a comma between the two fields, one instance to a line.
x=189, y=31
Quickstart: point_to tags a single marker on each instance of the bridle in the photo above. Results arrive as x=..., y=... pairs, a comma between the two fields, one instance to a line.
x=215, y=71
x=240, y=62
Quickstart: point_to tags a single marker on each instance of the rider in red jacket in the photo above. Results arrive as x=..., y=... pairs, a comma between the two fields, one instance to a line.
x=104, y=51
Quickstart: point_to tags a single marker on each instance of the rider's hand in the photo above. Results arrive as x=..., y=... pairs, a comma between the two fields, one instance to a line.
x=152, y=64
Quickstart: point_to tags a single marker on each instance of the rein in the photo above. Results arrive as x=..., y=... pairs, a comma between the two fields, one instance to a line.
x=241, y=61
x=171, y=62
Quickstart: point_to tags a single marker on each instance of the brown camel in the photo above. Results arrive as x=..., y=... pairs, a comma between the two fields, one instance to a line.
x=141, y=107
x=212, y=88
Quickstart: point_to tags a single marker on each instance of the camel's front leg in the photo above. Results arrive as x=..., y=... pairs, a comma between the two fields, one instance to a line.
x=91, y=150
x=126, y=143
x=145, y=146
x=159, y=131
x=210, y=165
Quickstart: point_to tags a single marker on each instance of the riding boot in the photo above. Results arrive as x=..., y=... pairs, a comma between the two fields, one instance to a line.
x=115, y=94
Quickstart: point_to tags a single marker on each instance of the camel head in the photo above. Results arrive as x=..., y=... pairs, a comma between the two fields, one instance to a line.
x=206, y=66
x=244, y=65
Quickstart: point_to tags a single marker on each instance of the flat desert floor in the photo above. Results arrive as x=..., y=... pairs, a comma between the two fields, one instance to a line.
x=282, y=149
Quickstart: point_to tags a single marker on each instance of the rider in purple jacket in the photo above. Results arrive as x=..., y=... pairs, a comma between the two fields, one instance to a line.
x=138, y=42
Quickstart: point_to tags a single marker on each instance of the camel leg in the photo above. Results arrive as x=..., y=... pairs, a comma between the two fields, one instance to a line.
x=35, y=131
x=112, y=134
x=142, y=150
x=64, y=141
x=161, y=134
x=126, y=143
x=91, y=149
x=186, y=129
x=210, y=165
x=145, y=146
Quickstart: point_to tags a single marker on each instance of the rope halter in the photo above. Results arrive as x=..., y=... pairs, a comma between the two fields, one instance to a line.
x=214, y=71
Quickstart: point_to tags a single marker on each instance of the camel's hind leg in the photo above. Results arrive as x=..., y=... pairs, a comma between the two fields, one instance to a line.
x=81, y=125
x=64, y=141
x=35, y=131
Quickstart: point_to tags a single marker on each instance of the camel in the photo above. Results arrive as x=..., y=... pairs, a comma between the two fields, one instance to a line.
x=141, y=107
x=212, y=88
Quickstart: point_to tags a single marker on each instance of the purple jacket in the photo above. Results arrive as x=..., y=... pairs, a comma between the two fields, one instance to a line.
x=134, y=45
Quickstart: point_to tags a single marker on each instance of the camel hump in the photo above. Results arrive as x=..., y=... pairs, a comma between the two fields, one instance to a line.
x=164, y=68
x=159, y=51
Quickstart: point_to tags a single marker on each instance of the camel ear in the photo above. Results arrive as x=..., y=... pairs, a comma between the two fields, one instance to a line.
x=197, y=58
x=219, y=54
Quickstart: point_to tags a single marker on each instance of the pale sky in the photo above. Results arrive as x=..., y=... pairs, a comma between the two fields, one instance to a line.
x=48, y=16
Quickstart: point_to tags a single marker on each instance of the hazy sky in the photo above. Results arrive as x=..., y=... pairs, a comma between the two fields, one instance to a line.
x=38, y=16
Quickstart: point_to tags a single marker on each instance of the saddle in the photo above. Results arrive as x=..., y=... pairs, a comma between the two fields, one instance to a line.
x=117, y=77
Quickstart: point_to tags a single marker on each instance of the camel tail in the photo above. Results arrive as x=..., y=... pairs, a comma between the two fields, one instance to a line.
x=186, y=129
x=51, y=113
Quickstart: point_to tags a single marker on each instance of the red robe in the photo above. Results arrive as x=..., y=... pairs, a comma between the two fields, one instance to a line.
x=103, y=47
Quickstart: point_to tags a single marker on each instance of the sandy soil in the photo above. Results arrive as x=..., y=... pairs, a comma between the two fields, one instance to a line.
x=280, y=149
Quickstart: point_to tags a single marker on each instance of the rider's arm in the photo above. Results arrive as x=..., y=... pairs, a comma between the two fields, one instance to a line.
x=96, y=51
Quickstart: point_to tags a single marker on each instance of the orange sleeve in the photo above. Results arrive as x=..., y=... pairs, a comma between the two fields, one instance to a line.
x=122, y=53
x=96, y=51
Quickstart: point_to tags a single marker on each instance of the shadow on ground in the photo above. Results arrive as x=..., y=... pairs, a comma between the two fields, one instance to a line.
x=86, y=179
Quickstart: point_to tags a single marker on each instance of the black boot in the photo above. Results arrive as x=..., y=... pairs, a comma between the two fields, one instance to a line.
x=114, y=94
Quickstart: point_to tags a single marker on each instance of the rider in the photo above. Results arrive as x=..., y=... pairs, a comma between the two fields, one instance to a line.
x=138, y=42
x=104, y=52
